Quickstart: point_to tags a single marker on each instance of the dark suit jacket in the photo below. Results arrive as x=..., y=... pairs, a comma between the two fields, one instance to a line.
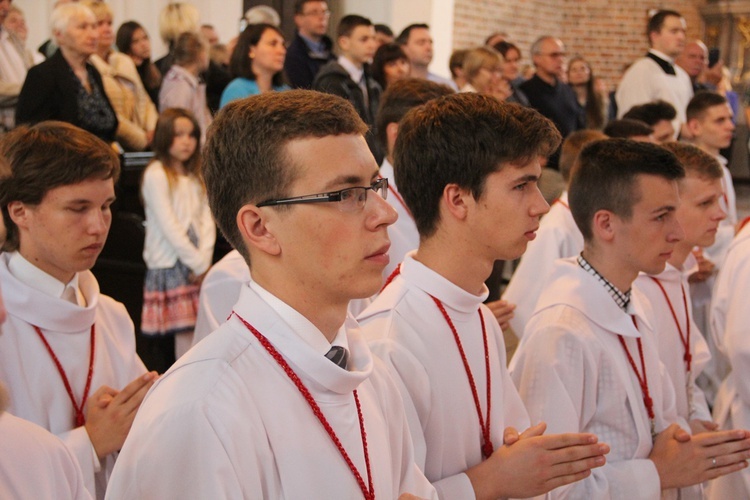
x=50, y=93
x=301, y=66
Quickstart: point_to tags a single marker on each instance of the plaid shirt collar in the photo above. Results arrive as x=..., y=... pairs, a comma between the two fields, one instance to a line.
x=622, y=299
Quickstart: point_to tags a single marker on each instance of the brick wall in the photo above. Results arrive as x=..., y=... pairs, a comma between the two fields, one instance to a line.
x=608, y=33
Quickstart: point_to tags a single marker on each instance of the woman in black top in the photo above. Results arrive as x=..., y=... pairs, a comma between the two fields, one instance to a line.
x=66, y=87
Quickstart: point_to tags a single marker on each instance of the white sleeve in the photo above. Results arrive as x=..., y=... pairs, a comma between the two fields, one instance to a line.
x=635, y=88
x=156, y=196
x=78, y=442
x=552, y=370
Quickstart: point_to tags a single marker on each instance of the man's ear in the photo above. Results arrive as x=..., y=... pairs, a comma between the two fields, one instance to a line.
x=604, y=225
x=455, y=201
x=344, y=43
x=19, y=213
x=694, y=127
x=256, y=227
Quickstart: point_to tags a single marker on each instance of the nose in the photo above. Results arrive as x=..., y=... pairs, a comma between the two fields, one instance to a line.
x=720, y=213
x=100, y=220
x=676, y=232
x=540, y=206
x=381, y=213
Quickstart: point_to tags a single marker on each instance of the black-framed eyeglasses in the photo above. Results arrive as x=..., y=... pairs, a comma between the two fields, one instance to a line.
x=350, y=199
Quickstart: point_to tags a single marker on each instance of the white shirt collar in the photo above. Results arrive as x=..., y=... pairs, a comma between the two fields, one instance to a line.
x=662, y=55
x=355, y=73
x=301, y=326
x=27, y=273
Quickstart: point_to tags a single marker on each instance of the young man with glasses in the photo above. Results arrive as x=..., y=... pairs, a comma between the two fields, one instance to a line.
x=311, y=48
x=284, y=400
x=548, y=94
x=474, y=200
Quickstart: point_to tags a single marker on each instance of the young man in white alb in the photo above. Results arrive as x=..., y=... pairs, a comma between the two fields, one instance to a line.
x=558, y=237
x=284, y=400
x=474, y=199
x=67, y=353
x=588, y=360
x=682, y=346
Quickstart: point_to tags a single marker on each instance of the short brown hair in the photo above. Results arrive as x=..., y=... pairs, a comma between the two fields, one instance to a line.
x=245, y=160
x=188, y=47
x=701, y=102
x=572, y=146
x=478, y=58
x=695, y=161
x=400, y=97
x=48, y=155
x=605, y=178
x=461, y=139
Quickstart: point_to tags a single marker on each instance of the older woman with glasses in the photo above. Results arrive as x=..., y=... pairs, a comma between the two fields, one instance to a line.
x=66, y=86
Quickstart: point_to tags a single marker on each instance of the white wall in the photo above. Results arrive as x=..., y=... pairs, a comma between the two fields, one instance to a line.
x=223, y=14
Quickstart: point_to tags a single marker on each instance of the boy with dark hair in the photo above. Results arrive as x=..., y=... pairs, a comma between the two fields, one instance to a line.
x=349, y=76
x=557, y=238
x=284, y=400
x=474, y=199
x=658, y=115
x=67, y=353
x=400, y=98
x=587, y=361
x=682, y=347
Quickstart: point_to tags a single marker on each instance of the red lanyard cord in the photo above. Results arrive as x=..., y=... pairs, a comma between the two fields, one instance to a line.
x=484, y=423
x=685, y=339
x=369, y=490
x=642, y=380
x=80, y=419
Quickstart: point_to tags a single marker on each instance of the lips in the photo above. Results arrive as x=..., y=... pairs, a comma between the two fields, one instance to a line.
x=380, y=255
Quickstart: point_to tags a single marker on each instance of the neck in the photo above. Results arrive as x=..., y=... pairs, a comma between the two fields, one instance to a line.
x=357, y=64
x=137, y=60
x=193, y=69
x=104, y=52
x=325, y=314
x=546, y=77
x=264, y=81
x=708, y=149
x=680, y=254
x=58, y=274
x=418, y=71
x=74, y=59
x=446, y=257
x=314, y=38
x=610, y=268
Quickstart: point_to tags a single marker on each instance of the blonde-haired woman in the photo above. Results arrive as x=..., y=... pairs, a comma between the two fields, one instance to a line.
x=136, y=113
x=483, y=70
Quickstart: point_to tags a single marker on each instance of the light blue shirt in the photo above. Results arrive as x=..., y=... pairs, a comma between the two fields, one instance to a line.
x=243, y=87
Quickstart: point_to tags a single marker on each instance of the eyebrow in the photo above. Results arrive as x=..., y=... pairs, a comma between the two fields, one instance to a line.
x=664, y=208
x=526, y=178
x=355, y=180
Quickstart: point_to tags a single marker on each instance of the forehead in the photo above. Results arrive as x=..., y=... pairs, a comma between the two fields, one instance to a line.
x=693, y=185
x=551, y=44
x=330, y=162
x=418, y=34
x=90, y=190
x=269, y=34
x=655, y=191
x=673, y=22
x=719, y=111
x=308, y=6
x=695, y=50
x=363, y=30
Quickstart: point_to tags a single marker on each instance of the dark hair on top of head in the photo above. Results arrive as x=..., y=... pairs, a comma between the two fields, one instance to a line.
x=240, y=64
x=505, y=47
x=403, y=37
x=386, y=53
x=656, y=22
x=627, y=128
x=700, y=103
x=245, y=160
x=401, y=97
x=652, y=112
x=48, y=155
x=461, y=139
x=349, y=23
x=299, y=6
x=606, y=178
x=384, y=29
